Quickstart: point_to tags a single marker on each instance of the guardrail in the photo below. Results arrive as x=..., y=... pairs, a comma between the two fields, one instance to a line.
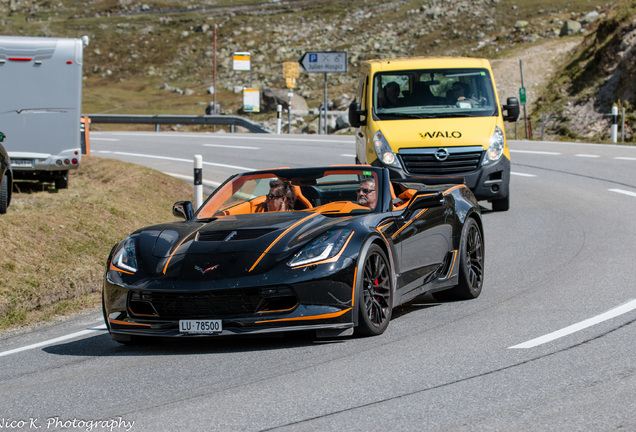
x=178, y=119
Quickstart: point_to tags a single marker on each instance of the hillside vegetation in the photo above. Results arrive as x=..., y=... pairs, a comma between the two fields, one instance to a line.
x=158, y=56
x=55, y=243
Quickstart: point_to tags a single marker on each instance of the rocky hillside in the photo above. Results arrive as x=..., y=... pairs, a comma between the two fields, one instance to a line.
x=158, y=56
x=599, y=75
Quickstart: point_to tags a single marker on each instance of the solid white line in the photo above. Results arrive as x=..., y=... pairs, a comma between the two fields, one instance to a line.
x=182, y=160
x=522, y=174
x=534, y=152
x=348, y=155
x=232, y=147
x=625, y=158
x=587, y=155
x=621, y=310
x=624, y=192
x=54, y=341
x=104, y=139
x=190, y=178
x=257, y=137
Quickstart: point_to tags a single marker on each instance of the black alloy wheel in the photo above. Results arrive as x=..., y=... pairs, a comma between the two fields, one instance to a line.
x=471, y=270
x=376, y=293
x=471, y=265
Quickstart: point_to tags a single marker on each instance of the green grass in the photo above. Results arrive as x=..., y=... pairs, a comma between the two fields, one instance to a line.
x=55, y=244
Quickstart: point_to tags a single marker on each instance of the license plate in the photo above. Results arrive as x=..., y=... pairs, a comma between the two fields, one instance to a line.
x=200, y=326
x=21, y=163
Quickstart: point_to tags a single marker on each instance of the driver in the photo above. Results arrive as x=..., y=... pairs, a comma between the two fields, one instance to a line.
x=367, y=195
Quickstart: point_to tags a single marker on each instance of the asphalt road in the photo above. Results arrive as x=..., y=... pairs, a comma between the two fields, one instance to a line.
x=548, y=346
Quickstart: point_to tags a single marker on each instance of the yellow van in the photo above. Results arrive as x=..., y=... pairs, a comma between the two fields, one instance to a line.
x=435, y=117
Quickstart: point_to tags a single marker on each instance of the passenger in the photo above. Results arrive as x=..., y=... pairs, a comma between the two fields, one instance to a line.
x=281, y=196
x=367, y=195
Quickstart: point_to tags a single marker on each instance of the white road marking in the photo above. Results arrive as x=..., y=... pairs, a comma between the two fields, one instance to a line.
x=55, y=340
x=535, y=152
x=625, y=158
x=257, y=137
x=190, y=161
x=104, y=139
x=190, y=178
x=613, y=313
x=522, y=174
x=587, y=155
x=348, y=155
x=232, y=146
x=624, y=192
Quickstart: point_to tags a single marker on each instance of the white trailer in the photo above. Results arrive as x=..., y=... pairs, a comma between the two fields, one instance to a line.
x=40, y=105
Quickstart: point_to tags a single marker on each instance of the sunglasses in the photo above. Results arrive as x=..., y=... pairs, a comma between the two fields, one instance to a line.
x=365, y=191
x=272, y=196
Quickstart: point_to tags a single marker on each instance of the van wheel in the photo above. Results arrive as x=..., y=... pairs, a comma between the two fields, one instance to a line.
x=62, y=181
x=4, y=194
x=502, y=204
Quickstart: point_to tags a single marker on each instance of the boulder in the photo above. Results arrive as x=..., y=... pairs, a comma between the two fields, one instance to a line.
x=271, y=97
x=570, y=28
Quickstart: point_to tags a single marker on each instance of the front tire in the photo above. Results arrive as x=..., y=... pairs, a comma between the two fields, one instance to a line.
x=375, y=285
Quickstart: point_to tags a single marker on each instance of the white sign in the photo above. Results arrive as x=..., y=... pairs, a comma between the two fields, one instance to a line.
x=241, y=61
x=251, y=100
x=324, y=61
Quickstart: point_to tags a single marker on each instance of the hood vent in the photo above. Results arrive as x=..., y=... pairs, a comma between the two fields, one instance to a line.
x=233, y=235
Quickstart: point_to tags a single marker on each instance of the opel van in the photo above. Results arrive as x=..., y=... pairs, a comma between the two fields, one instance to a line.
x=435, y=117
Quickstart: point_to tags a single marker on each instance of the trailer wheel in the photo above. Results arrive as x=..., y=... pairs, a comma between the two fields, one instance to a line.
x=61, y=182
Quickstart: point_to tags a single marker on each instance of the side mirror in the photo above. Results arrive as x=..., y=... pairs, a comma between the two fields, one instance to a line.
x=512, y=109
x=357, y=116
x=423, y=200
x=183, y=209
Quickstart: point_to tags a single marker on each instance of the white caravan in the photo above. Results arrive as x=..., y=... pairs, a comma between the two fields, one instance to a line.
x=40, y=105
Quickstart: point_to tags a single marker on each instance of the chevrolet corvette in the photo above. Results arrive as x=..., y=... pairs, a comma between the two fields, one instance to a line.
x=336, y=262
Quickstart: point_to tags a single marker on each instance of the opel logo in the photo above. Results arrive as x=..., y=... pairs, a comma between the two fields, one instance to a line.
x=441, y=154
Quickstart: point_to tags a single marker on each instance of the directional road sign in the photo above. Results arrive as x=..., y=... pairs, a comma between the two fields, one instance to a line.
x=324, y=61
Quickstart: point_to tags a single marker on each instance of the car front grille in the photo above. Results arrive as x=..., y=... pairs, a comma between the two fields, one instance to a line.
x=210, y=304
x=460, y=160
x=194, y=305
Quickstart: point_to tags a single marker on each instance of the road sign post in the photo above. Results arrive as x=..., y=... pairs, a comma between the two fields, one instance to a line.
x=324, y=62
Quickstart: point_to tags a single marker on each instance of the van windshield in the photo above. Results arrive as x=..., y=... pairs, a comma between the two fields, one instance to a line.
x=433, y=93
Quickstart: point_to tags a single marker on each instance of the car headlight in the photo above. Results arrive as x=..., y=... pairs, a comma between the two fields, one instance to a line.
x=322, y=248
x=496, y=149
x=125, y=257
x=384, y=151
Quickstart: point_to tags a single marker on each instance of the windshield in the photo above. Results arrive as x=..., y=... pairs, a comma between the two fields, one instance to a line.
x=329, y=192
x=433, y=93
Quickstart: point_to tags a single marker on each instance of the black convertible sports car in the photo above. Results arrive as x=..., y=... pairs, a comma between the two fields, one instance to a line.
x=330, y=264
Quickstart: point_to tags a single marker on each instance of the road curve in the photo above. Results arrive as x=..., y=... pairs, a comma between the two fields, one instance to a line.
x=547, y=346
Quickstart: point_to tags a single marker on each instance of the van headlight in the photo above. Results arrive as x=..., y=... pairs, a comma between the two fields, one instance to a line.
x=496, y=149
x=383, y=150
